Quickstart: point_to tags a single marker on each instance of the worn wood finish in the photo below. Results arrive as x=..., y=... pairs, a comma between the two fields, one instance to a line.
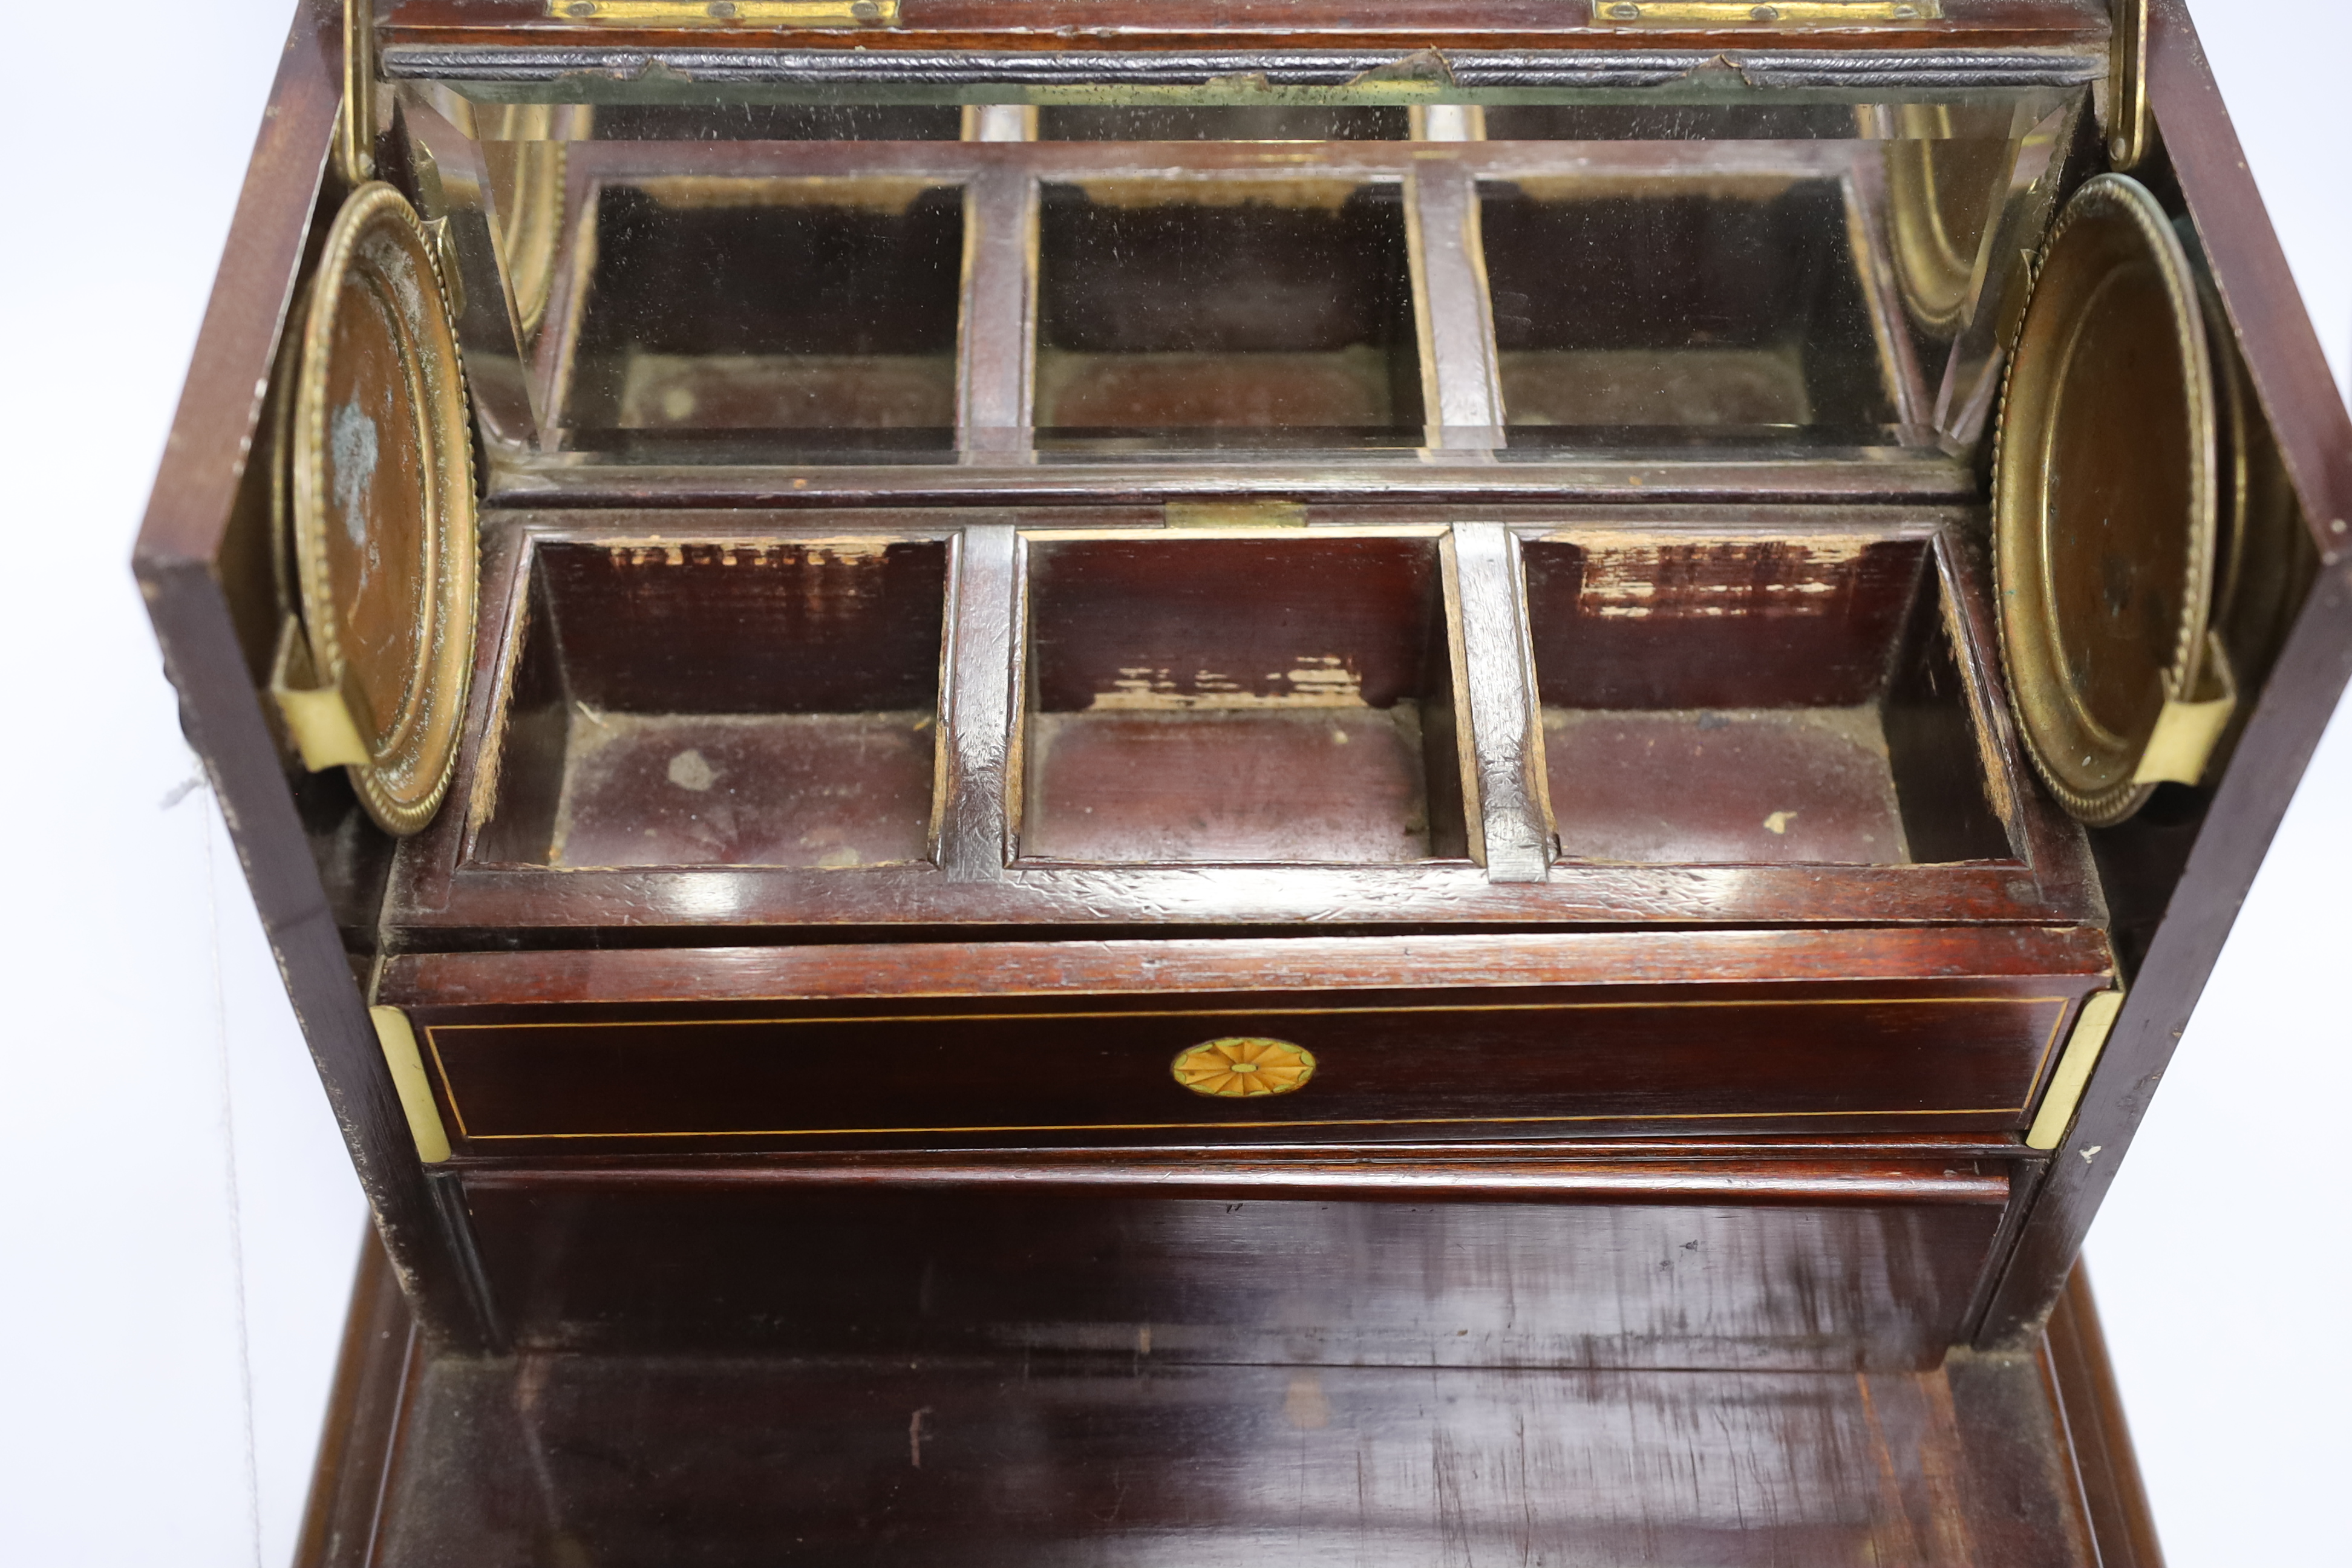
x=1617, y=311
x=1167, y=306
x=1829, y=476
x=1157, y=965
x=978, y=770
x=1760, y=701
x=716, y=704
x=1809, y=1250
x=2230, y=823
x=1460, y=395
x=1988, y=1460
x=997, y=352
x=1502, y=768
x=1183, y=634
x=967, y=25
x=1261, y=698
x=203, y=564
x=1714, y=1267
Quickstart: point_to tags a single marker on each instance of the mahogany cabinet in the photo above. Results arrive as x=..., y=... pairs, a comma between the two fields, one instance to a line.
x=1101, y=784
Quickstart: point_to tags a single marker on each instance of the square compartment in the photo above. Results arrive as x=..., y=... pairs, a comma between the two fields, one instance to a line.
x=1727, y=702
x=1732, y=301
x=1240, y=700
x=1245, y=307
x=722, y=705
x=811, y=305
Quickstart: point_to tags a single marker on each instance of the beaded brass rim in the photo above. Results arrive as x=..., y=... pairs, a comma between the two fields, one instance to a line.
x=2105, y=504
x=1241, y=1066
x=383, y=503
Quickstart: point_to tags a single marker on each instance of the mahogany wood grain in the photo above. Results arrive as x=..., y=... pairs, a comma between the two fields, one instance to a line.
x=444, y=884
x=2230, y=823
x=1989, y=1460
x=380, y=1358
x=1263, y=698
x=905, y=1045
x=2074, y=1351
x=618, y=976
x=1704, y=1273
x=1909, y=1167
x=200, y=584
x=1415, y=1063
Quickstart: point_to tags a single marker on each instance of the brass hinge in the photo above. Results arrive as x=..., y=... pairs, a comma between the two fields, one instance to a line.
x=730, y=13
x=355, y=131
x=2127, y=85
x=1776, y=14
x=1250, y=514
x=2074, y=1074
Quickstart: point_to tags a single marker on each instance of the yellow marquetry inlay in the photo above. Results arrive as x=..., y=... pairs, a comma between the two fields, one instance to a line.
x=1243, y=1064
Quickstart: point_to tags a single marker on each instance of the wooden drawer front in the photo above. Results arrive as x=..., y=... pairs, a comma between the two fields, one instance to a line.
x=1966, y=1057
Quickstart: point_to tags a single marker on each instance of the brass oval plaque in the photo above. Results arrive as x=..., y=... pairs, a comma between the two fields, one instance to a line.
x=382, y=492
x=2105, y=503
x=1243, y=1066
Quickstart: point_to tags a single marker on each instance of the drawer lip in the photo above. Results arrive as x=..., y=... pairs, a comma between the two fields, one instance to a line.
x=744, y=975
x=1754, y=1178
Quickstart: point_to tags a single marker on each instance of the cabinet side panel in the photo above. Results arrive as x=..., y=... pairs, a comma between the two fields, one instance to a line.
x=186, y=583
x=2314, y=439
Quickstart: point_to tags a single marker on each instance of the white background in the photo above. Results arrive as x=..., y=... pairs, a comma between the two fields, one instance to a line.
x=180, y=1224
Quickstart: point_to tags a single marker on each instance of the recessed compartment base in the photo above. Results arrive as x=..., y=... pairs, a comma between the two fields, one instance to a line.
x=745, y=789
x=718, y=704
x=1754, y=784
x=1328, y=785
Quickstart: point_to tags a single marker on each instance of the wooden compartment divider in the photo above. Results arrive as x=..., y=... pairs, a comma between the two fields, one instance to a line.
x=976, y=807
x=1503, y=771
x=997, y=352
x=1462, y=391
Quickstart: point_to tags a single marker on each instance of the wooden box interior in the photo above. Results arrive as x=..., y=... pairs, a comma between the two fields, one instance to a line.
x=685, y=327
x=710, y=705
x=990, y=588
x=1625, y=303
x=1755, y=702
x=1240, y=699
x=1246, y=305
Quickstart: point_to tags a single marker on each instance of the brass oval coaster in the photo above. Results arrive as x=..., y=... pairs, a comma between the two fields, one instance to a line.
x=2105, y=508
x=382, y=524
x=1241, y=1065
